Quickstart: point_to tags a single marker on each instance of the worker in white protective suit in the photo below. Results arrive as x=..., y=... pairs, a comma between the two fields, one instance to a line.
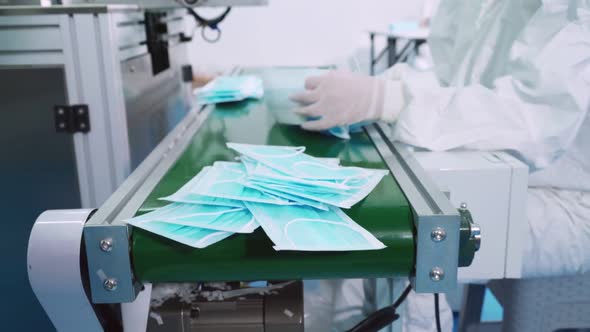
x=429, y=8
x=423, y=59
x=509, y=75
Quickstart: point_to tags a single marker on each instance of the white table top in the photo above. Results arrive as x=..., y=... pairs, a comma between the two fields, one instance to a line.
x=420, y=33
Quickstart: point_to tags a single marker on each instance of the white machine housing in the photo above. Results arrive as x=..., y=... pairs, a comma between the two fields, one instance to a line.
x=494, y=187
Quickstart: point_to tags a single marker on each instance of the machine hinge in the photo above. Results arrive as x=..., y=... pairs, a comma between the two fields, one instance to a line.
x=72, y=118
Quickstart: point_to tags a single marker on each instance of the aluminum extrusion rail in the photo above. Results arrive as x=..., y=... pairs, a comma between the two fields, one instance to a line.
x=436, y=221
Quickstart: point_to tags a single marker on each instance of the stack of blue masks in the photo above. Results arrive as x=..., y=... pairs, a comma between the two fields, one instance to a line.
x=295, y=197
x=225, y=89
x=196, y=225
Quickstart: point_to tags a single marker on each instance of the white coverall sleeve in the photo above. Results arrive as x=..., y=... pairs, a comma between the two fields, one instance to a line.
x=535, y=109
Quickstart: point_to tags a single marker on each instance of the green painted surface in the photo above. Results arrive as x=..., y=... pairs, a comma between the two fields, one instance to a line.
x=385, y=212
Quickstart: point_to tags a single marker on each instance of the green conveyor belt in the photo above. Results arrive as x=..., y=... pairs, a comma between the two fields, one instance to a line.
x=385, y=212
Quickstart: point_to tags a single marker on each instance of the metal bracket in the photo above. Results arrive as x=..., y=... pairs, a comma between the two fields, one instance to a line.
x=71, y=118
x=436, y=221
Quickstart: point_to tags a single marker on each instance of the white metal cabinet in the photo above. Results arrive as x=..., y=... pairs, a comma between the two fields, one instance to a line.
x=494, y=186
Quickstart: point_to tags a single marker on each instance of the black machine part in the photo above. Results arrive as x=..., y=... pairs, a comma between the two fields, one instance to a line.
x=279, y=310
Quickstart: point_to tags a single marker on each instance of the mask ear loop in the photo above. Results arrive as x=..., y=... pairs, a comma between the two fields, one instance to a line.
x=303, y=182
x=352, y=178
x=252, y=222
x=218, y=213
x=156, y=212
x=337, y=223
x=241, y=177
x=330, y=168
x=297, y=151
x=203, y=240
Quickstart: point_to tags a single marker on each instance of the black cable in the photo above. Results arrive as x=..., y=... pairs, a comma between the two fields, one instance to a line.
x=382, y=317
x=202, y=22
x=437, y=312
x=211, y=23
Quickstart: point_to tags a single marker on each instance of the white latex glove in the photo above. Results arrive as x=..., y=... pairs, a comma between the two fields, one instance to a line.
x=341, y=98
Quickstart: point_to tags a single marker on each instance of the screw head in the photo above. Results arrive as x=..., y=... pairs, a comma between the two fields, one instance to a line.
x=110, y=284
x=80, y=111
x=437, y=274
x=463, y=206
x=82, y=126
x=60, y=111
x=62, y=125
x=438, y=234
x=106, y=245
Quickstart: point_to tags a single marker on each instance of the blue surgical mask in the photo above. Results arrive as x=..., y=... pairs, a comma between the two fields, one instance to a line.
x=230, y=88
x=176, y=211
x=286, y=195
x=183, y=195
x=235, y=221
x=340, y=199
x=191, y=236
x=292, y=161
x=341, y=193
x=341, y=132
x=263, y=173
x=307, y=229
x=191, y=198
x=252, y=164
x=224, y=180
x=344, y=132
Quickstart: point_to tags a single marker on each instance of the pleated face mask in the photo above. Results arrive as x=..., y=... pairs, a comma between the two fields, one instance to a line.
x=261, y=173
x=224, y=180
x=307, y=229
x=343, y=193
x=293, y=162
x=212, y=217
x=229, y=89
x=184, y=195
x=191, y=236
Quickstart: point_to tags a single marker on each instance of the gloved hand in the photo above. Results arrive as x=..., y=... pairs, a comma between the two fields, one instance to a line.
x=342, y=98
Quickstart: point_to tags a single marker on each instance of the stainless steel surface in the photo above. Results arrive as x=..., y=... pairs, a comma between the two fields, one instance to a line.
x=438, y=234
x=38, y=173
x=476, y=235
x=155, y=104
x=33, y=7
x=106, y=245
x=431, y=209
x=65, y=9
x=278, y=311
x=110, y=284
x=20, y=2
x=168, y=3
x=110, y=272
x=437, y=274
x=284, y=312
x=475, y=230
